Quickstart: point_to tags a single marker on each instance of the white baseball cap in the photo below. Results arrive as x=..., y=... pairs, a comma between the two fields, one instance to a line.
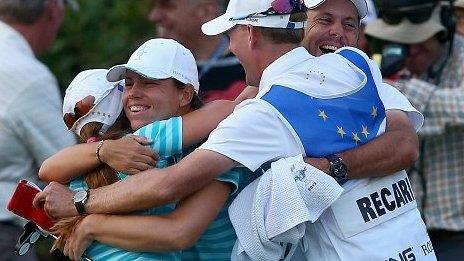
x=91, y=98
x=160, y=59
x=361, y=6
x=260, y=13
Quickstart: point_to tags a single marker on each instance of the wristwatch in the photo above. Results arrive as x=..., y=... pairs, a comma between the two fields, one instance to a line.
x=338, y=169
x=80, y=198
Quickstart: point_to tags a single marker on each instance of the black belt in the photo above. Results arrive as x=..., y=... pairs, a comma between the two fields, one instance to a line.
x=438, y=235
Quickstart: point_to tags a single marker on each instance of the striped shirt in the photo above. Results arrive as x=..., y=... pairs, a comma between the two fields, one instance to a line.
x=217, y=241
x=443, y=142
x=167, y=141
x=31, y=125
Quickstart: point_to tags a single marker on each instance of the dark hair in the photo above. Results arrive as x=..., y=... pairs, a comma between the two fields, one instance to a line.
x=22, y=11
x=196, y=102
x=284, y=35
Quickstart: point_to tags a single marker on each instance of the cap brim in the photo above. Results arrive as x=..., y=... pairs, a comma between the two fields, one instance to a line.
x=311, y=4
x=405, y=32
x=118, y=72
x=361, y=6
x=218, y=25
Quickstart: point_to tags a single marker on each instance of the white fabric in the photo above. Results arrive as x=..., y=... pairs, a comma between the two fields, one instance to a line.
x=371, y=13
x=31, y=128
x=270, y=213
x=361, y=6
x=160, y=59
x=108, y=99
x=247, y=12
x=255, y=134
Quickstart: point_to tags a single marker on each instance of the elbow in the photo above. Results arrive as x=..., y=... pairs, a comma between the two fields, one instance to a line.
x=45, y=172
x=411, y=150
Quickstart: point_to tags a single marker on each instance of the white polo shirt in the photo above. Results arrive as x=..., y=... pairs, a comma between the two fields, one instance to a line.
x=256, y=133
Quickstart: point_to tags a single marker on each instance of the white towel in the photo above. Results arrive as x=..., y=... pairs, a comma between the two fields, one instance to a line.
x=270, y=213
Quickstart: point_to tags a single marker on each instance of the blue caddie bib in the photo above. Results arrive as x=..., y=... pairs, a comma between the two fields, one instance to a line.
x=328, y=126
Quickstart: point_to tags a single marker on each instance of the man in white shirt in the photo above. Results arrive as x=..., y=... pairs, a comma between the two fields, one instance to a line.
x=31, y=128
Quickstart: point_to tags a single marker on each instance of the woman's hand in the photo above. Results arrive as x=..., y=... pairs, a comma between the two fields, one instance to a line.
x=81, y=238
x=129, y=154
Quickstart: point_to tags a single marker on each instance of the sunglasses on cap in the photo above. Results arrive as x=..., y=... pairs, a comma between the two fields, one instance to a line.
x=415, y=14
x=278, y=7
x=80, y=110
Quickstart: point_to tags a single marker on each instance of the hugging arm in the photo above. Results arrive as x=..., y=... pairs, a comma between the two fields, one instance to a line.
x=130, y=154
x=397, y=149
x=177, y=230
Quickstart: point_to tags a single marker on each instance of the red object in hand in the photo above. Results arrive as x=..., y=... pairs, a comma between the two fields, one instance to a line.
x=21, y=205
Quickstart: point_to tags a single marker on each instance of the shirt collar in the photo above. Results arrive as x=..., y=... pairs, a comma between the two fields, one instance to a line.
x=13, y=38
x=283, y=64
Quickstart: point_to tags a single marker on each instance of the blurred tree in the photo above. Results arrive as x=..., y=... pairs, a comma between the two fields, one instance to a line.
x=101, y=34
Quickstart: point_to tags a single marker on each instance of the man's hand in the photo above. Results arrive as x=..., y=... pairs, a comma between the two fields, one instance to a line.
x=57, y=200
x=79, y=240
x=129, y=154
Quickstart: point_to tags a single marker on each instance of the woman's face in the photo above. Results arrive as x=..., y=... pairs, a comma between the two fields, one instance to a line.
x=147, y=100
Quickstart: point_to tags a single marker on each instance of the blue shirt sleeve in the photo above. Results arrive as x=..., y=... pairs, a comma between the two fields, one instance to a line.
x=166, y=136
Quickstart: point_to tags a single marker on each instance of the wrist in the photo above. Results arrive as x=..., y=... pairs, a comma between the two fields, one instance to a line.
x=320, y=163
x=88, y=226
x=98, y=150
x=338, y=169
x=92, y=224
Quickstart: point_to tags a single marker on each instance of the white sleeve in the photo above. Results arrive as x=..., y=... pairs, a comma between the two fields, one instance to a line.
x=252, y=135
x=36, y=116
x=393, y=99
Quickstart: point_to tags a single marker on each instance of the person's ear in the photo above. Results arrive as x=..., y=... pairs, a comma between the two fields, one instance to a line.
x=186, y=95
x=253, y=36
x=54, y=10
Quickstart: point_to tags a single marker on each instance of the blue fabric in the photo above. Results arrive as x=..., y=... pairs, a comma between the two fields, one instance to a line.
x=328, y=126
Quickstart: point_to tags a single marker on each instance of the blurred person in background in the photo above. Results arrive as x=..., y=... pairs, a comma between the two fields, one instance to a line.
x=221, y=75
x=431, y=64
x=363, y=42
x=31, y=128
x=459, y=13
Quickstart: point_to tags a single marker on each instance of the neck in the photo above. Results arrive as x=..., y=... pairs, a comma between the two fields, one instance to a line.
x=270, y=53
x=204, y=47
x=33, y=35
x=184, y=110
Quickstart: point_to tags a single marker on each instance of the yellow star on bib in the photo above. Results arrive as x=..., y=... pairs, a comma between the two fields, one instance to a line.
x=341, y=131
x=356, y=138
x=365, y=131
x=374, y=112
x=323, y=115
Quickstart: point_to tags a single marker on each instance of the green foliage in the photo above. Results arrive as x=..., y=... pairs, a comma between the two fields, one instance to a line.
x=101, y=34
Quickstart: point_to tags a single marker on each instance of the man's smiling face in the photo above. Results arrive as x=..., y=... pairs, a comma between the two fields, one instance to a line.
x=330, y=26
